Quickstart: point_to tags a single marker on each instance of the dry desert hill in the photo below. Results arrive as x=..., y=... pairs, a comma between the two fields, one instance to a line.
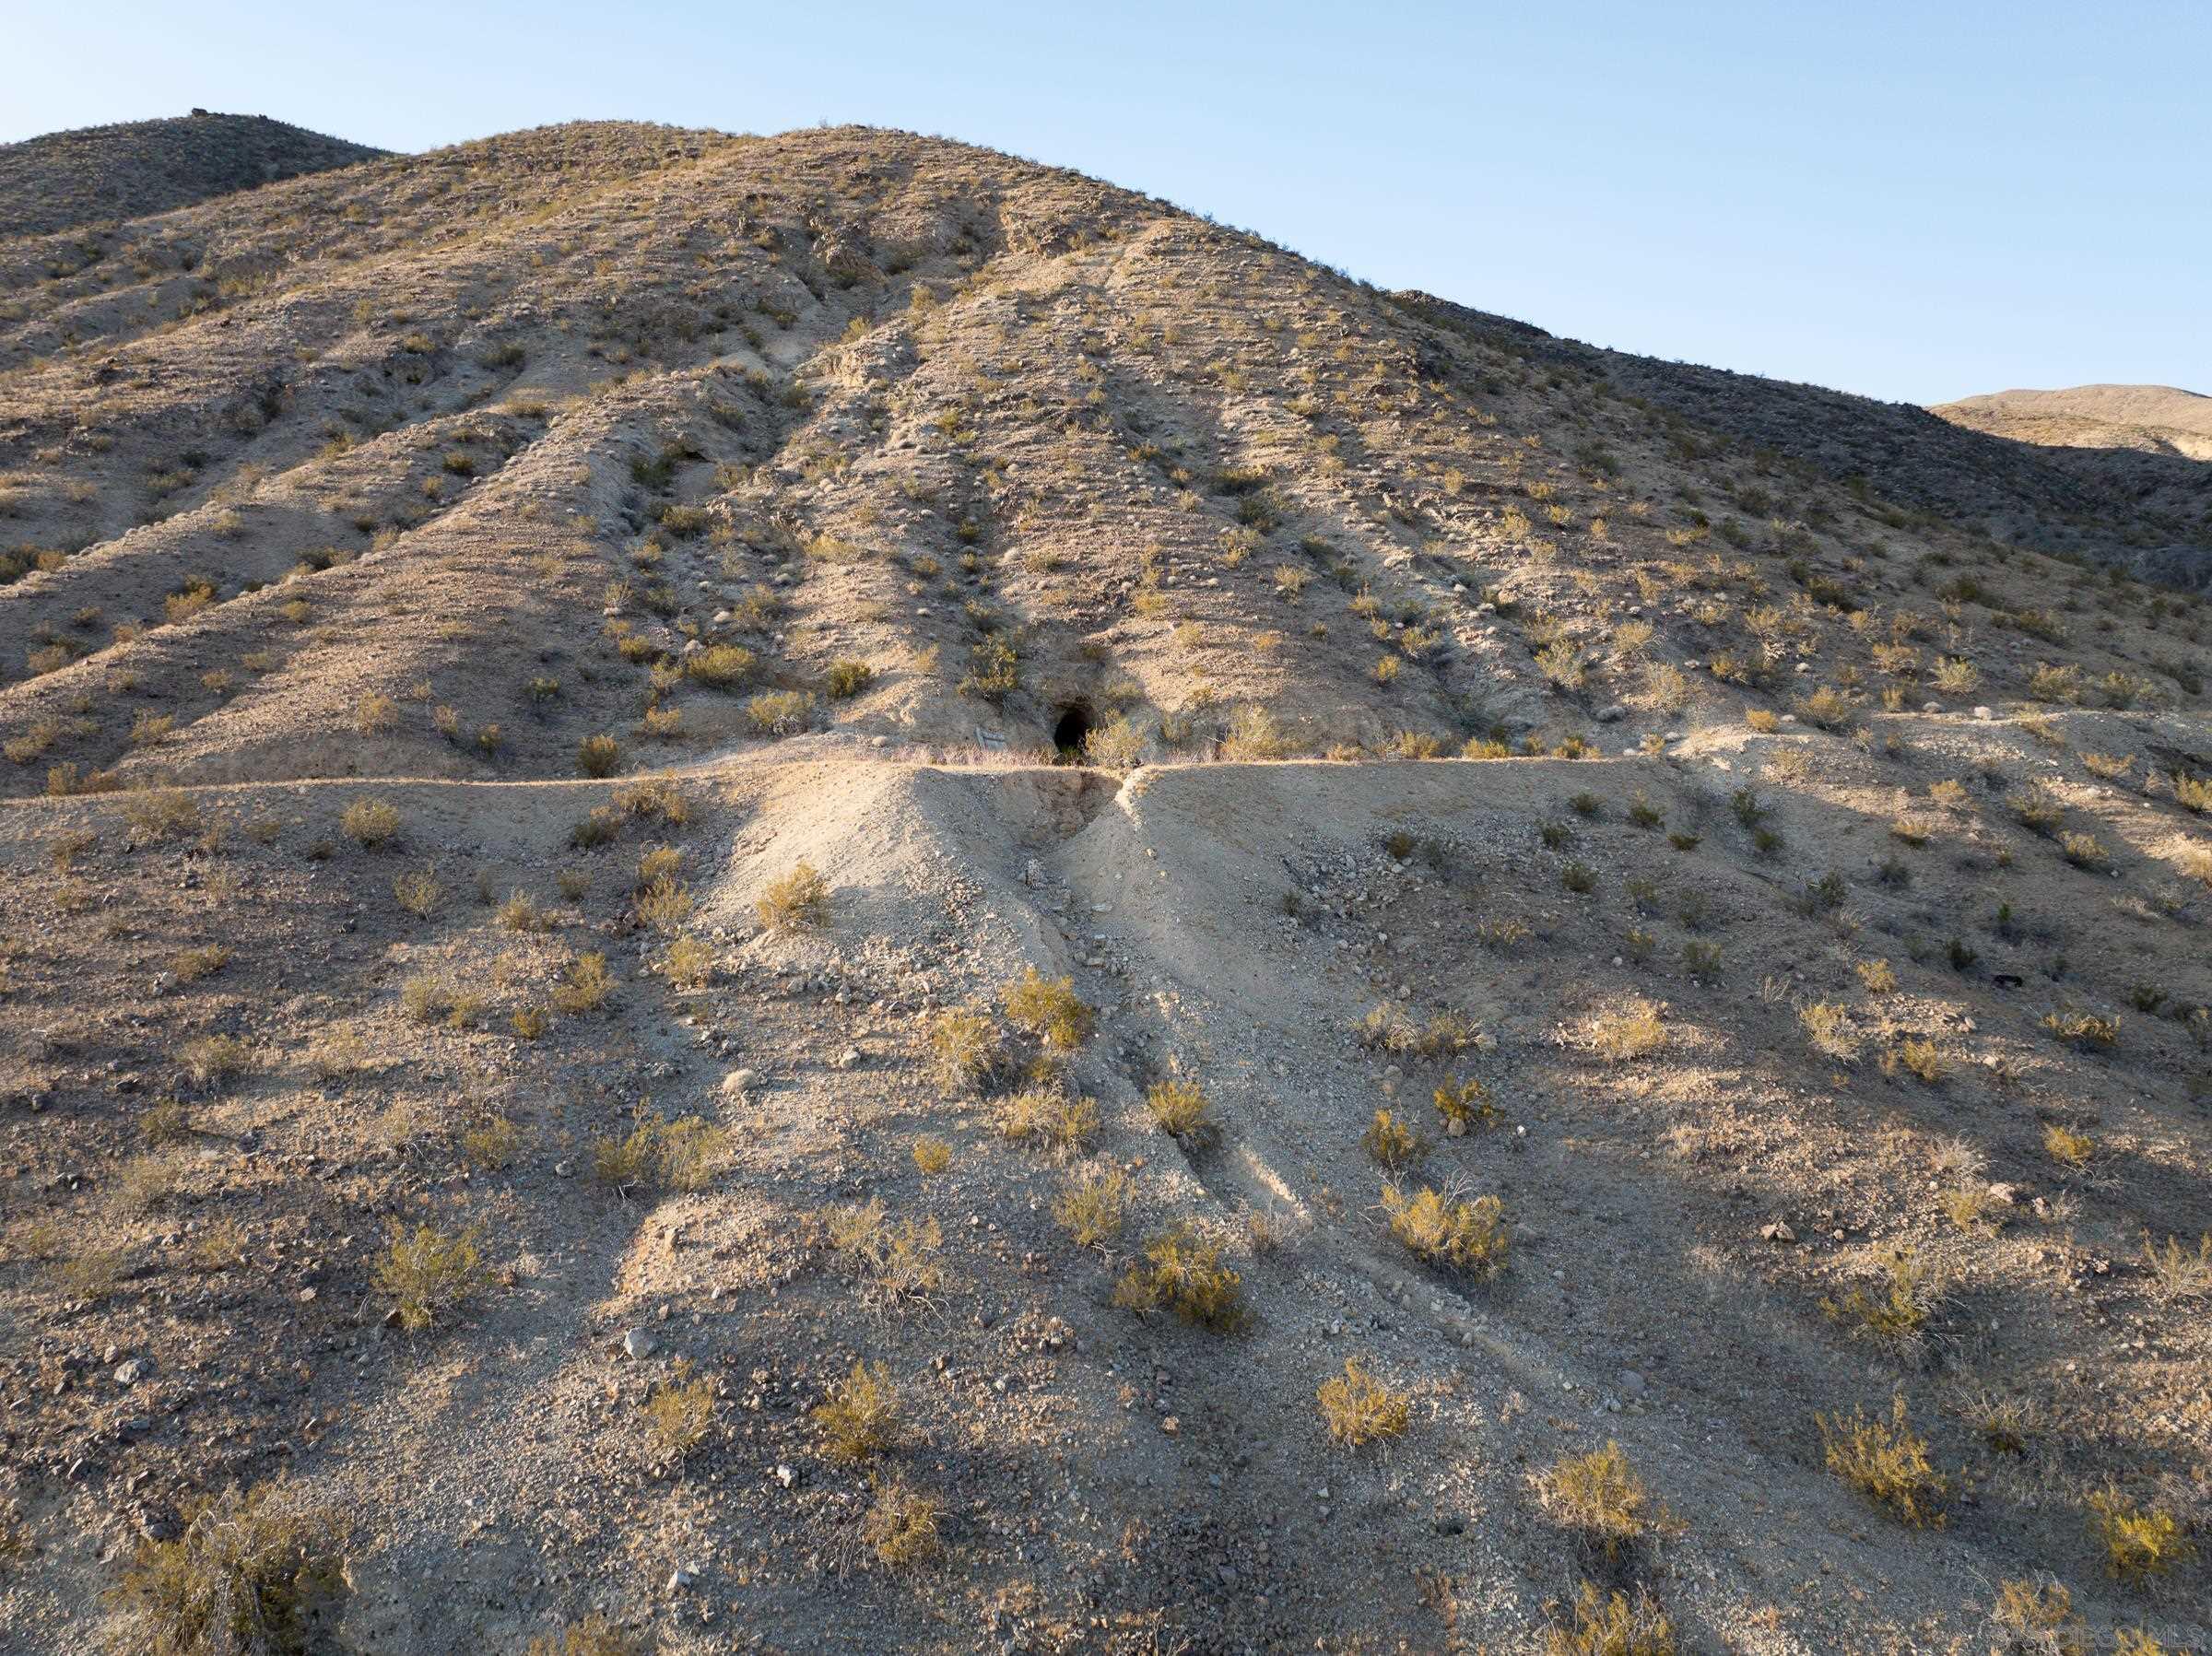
x=2156, y=419
x=828, y=893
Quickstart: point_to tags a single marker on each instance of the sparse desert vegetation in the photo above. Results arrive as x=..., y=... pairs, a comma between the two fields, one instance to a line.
x=835, y=890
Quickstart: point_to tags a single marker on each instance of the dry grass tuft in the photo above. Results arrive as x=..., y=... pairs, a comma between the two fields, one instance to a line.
x=660, y=1154
x=1049, y=1009
x=1182, y=1272
x=1612, y=1624
x=901, y=1524
x=252, y=1575
x=800, y=898
x=896, y=1262
x=964, y=1046
x=2139, y=1541
x=1180, y=1109
x=1061, y=1122
x=862, y=1416
x=593, y=1636
x=1090, y=1205
x=2176, y=1272
x=1359, y=1409
x=680, y=1412
x=430, y=1273
x=1599, y=1495
x=1467, y=1236
x=1635, y=1031
x=1886, y=1462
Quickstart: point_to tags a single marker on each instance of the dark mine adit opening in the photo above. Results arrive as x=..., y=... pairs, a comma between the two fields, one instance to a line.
x=1074, y=728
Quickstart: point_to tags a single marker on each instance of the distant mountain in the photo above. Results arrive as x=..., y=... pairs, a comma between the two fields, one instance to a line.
x=2158, y=420
x=97, y=174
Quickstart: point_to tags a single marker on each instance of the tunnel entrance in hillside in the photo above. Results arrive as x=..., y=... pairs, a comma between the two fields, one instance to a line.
x=1072, y=731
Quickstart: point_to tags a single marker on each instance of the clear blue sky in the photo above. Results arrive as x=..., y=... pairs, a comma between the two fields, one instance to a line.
x=1913, y=201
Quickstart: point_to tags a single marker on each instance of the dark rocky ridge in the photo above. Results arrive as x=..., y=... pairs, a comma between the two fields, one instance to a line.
x=63, y=180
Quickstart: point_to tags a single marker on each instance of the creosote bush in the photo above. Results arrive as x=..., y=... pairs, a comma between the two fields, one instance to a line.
x=1117, y=745
x=1465, y=1103
x=1252, y=734
x=721, y=666
x=1359, y=1409
x=1392, y=1143
x=848, y=678
x=158, y=814
x=419, y=891
x=779, y=712
x=598, y=755
x=689, y=962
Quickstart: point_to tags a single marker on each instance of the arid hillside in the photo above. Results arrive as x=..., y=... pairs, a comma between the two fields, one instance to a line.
x=102, y=175
x=2159, y=419
x=829, y=893
x=2147, y=510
